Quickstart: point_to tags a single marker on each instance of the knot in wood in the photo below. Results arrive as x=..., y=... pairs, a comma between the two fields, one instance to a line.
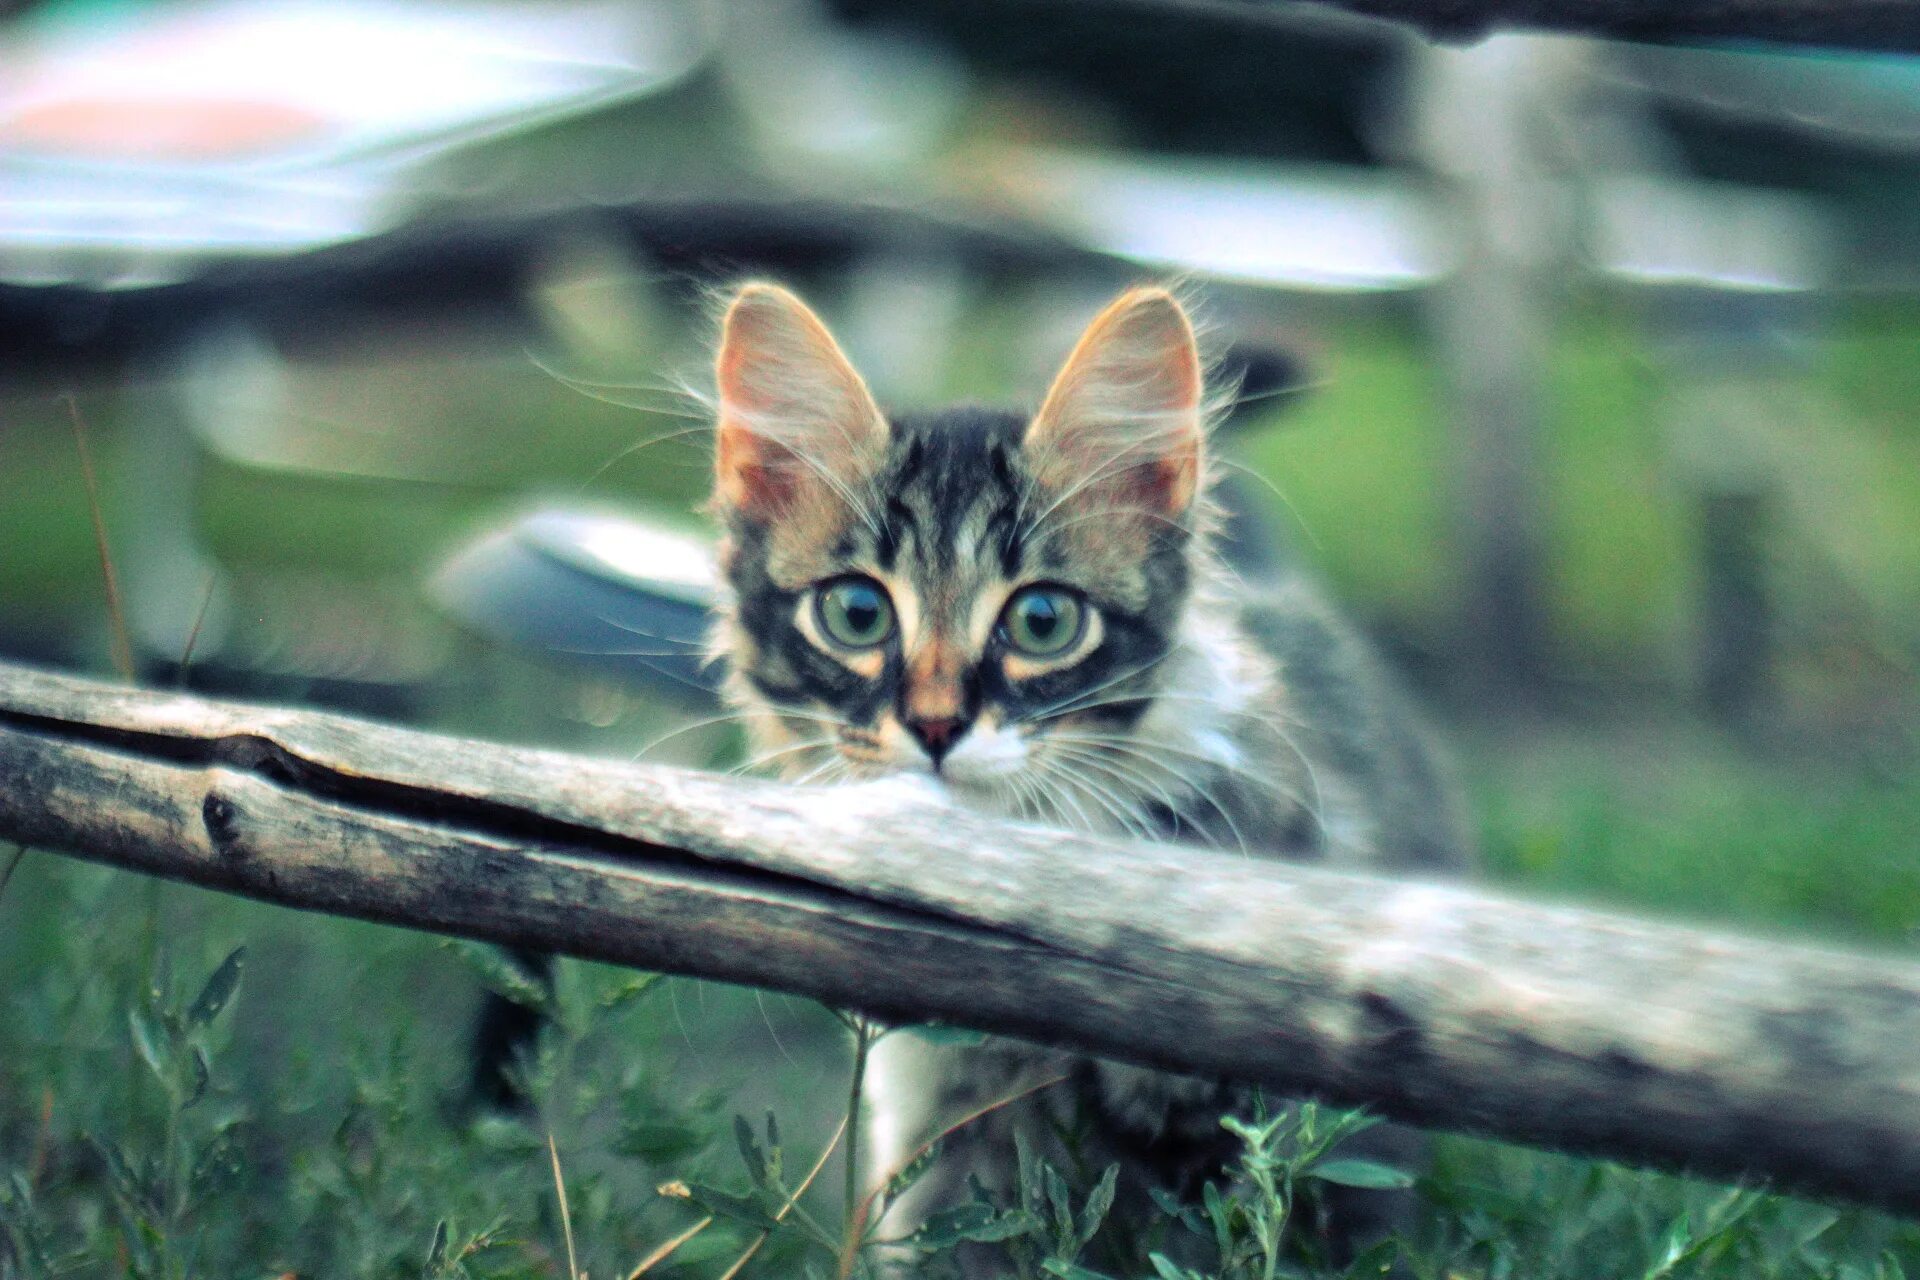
x=222, y=819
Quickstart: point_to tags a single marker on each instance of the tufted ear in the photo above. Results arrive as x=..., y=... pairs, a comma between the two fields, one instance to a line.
x=1122, y=422
x=797, y=425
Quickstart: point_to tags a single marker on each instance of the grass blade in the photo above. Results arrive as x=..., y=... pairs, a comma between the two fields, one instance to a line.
x=116, y=612
x=566, y=1216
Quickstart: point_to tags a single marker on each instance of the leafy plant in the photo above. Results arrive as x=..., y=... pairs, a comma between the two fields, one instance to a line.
x=157, y=1192
x=1283, y=1156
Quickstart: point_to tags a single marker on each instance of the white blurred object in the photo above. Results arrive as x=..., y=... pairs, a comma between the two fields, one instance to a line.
x=1662, y=231
x=132, y=148
x=824, y=102
x=1302, y=227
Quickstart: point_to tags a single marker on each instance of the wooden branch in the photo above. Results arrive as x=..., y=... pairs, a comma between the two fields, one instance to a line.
x=1441, y=1005
x=1856, y=24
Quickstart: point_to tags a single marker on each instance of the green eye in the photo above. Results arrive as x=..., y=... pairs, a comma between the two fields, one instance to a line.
x=1043, y=621
x=854, y=612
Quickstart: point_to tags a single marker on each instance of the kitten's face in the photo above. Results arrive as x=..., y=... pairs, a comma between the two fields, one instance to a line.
x=967, y=593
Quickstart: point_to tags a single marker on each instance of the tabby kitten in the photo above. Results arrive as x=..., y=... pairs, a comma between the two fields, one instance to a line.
x=1026, y=608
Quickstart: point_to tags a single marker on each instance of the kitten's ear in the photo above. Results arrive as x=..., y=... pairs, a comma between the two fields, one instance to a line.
x=797, y=425
x=1123, y=419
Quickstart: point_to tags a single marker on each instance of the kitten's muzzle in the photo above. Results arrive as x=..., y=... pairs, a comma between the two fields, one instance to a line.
x=937, y=734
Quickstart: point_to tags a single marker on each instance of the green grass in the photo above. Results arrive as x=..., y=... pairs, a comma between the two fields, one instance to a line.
x=327, y=1139
x=49, y=567
x=1682, y=824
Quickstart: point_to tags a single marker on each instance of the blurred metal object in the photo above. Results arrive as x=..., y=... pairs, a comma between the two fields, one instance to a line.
x=619, y=596
x=136, y=149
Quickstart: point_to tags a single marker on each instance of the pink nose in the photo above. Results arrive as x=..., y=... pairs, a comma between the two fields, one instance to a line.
x=937, y=734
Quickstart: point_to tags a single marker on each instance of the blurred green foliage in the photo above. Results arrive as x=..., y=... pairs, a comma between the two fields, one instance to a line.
x=1362, y=462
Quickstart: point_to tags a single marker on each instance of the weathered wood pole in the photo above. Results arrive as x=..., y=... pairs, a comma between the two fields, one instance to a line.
x=1436, y=1004
x=1475, y=124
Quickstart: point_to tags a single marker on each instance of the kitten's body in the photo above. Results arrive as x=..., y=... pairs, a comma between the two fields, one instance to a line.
x=1192, y=705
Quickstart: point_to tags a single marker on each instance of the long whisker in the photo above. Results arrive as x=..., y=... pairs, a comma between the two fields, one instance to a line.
x=1045, y=807
x=1275, y=721
x=789, y=712
x=580, y=652
x=1062, y=797
x=594, y=388
x=1030, y=800
x=827, y=476
x=1024, y=801
x=764, y=758
x=632, y=630
x=1165, y=695
x=688, y=648
x=840, y=488
x=1118, y=742
x=647, y=443
x=1278, y=493
x=600, y=392
x=1078, y=819
x=1267, y=785
x=1271, y=723
x=828, y=770
x=1184, y=814
x=1123, y=775
x=1108, y=512
x=1067, y=705
x=1104, y=797
x=1312, y=804
x=724, y=717
x=705, y=691
x=1189, y=783
x=1133, y=456
x=1128, y=816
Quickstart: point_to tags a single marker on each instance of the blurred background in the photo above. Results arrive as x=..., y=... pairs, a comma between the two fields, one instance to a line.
x=1584, y=372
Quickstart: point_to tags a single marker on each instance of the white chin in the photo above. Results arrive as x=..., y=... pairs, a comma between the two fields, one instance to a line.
x=976, y=774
